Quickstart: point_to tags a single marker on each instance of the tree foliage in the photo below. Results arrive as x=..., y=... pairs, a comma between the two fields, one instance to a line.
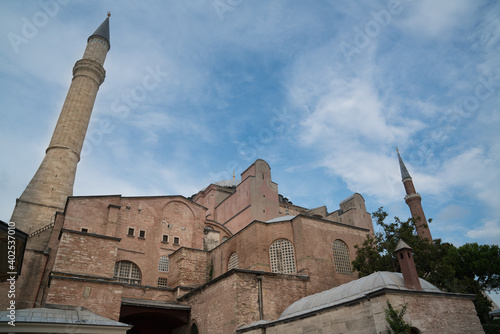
x=470, y=268
x=395, y=320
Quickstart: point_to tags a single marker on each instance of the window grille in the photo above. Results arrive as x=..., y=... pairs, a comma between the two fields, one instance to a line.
x=233, y=262
x=142, y=234
x=194, y=329
x=176, y=240
x=163, y=264
x=341, y=257
x=282, y=257
x=165, y=238
x=162, y=282
x=130, y=232
x=127, y=272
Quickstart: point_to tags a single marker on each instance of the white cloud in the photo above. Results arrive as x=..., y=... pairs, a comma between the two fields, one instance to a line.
x=351, y=121
x=436, y=18
x=489, y=230
x=476, y=170
x=351, y=110
x=225, y=77
x=448, y=218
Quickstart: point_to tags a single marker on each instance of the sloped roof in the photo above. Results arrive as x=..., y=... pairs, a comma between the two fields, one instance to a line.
x=281, y=219
x=73, y=316
x=402, y=245
x=351, y=291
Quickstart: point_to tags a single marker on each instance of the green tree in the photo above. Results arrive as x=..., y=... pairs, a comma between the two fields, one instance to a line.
x=395, y=321
x=377, y=253
x=477, y=269
x=470, y=268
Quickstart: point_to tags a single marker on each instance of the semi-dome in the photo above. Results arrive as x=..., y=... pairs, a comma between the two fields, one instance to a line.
x=228, y=183
x=231, y=183
x=351, y=291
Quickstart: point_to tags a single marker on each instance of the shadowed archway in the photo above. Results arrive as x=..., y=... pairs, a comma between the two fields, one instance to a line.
x=151, y=317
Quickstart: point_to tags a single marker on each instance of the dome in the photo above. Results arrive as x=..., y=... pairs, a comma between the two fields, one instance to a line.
x=351, y=291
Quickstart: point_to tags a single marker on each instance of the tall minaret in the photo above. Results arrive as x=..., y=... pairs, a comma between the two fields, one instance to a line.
x=53, y=182
x=414, y=200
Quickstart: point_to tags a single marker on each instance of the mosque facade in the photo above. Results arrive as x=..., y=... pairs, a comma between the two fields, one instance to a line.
x=234, y=257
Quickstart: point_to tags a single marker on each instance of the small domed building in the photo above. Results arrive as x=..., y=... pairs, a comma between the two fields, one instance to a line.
x=359, y=307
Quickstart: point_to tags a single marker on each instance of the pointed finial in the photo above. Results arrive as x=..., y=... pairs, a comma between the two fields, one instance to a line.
x=233, y=174
x=109, y=13
x=402, y=167
x=397, y=150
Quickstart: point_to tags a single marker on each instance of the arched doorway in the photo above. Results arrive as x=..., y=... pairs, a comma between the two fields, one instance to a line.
x=153, y=317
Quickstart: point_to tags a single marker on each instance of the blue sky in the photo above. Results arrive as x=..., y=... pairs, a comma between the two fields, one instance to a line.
x=322, y=90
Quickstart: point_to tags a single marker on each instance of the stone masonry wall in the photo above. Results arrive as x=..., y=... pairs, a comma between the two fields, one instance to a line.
x=438, y=313
x=430, y=314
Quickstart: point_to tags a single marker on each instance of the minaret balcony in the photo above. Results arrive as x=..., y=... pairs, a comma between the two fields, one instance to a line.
x=411, y=196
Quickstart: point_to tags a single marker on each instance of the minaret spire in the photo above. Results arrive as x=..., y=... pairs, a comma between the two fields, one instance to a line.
x=414, y=201
x=53, y=182
x=103, y=31
x=404, y=171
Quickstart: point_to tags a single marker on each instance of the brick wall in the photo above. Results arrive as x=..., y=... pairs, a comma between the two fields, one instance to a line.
x=225, y=304
x=87, y=254
x=312, y=239
x=27, y=283
x=103, y=299
x=189, y=267
x=113, y=216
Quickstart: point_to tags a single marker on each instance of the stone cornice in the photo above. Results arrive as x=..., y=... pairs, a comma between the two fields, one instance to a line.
x=90, y=69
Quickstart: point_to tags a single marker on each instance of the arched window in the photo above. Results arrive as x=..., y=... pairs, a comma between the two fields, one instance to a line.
x=282, y=257
x=233, y=262
x=194, y=329
x=127, y=272
x=341, y=257
x=163, y=264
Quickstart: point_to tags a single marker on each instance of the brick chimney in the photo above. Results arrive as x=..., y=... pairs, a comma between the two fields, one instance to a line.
x=408, y=269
